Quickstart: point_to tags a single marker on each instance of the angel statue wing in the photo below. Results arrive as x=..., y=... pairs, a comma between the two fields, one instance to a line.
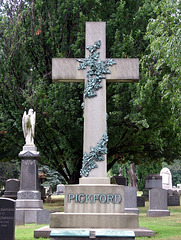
x=33, y=120
x=24, y=120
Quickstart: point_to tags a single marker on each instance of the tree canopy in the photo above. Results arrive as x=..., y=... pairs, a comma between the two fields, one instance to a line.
x=144, y=118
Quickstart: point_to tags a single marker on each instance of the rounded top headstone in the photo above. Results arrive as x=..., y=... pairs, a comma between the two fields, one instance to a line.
x=166, y=178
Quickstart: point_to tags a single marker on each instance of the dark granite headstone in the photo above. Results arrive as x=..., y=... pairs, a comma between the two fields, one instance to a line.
x=173, y=200
x=153, y=181
x=120, y=180
x=140, y=202
x=7, y=219
x=12, y=187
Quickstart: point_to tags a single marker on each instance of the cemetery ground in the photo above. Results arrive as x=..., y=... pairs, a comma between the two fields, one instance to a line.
x=167, y=228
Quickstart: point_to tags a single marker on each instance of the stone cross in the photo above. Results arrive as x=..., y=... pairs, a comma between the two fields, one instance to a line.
x=66, y=70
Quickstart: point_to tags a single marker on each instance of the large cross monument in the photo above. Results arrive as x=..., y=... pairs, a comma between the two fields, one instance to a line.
x=93, y=199
x=121, y=70
x=94, y=203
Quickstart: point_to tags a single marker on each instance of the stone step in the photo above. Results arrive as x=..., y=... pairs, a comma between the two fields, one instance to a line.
x=93, y=220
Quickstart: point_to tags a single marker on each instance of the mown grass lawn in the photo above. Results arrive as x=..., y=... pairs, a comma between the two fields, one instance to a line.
x=165, y=228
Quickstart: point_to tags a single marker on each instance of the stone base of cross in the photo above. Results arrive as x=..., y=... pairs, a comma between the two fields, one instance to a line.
x=95, y=126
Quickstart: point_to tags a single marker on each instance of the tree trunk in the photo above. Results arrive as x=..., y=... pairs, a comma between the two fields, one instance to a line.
x=133, y=180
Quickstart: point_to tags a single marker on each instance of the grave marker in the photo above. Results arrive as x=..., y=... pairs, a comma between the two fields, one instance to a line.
x=7, y=219
x=158, y=206
x=94, y=202
x=12, y=187
x=166, y=178
x=29, y=206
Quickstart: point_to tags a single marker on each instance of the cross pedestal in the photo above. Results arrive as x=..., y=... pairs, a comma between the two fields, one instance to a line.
x=94, y=202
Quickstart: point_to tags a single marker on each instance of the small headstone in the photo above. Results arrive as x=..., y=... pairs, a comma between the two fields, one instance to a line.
x=166, y=178
x=7, y=219
x=131, y=200
x=60, y=189
x=158, y=206
x=174, y=200
x=12, y=187
x=140, y=202
x=120, y=180
x=169, y=192
x=153, y=181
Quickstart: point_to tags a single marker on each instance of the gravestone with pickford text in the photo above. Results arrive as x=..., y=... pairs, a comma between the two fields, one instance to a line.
x=7, y=219
x=94, y=195
x=94, y=202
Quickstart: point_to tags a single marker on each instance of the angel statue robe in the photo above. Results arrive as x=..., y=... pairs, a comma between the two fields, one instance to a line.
x=28, y=124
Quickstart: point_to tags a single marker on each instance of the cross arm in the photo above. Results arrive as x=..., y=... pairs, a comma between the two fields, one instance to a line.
x=125, y=70
x=66, y=70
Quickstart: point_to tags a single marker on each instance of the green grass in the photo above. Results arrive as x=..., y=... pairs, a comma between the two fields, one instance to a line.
x=55, y=205
x=165, y=228
x=26, y=232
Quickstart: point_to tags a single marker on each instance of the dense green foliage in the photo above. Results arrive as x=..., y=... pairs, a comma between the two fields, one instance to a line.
x=144, y=118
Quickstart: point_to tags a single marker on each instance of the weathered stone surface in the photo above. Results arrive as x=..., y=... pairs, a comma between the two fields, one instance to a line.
x=29, y=171
x=94, y=180
x=7, y=219
x=93, y=220
x=166, y=178
x=32, y=215
x=94, y=199
x=158, y=203
x=29, y=206
x=126, y=70
x=119, y=72
x=174, y=200
x=131, y=200
x=153, y=181
x=29, y=194
x=120, y=180
x=29, y=203
x=60, y=189
x=11, y=189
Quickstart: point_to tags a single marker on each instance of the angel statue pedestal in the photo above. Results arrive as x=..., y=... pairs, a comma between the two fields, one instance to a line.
x=29, y=206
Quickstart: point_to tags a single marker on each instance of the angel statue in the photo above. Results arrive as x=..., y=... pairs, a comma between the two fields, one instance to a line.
x=28, y=124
